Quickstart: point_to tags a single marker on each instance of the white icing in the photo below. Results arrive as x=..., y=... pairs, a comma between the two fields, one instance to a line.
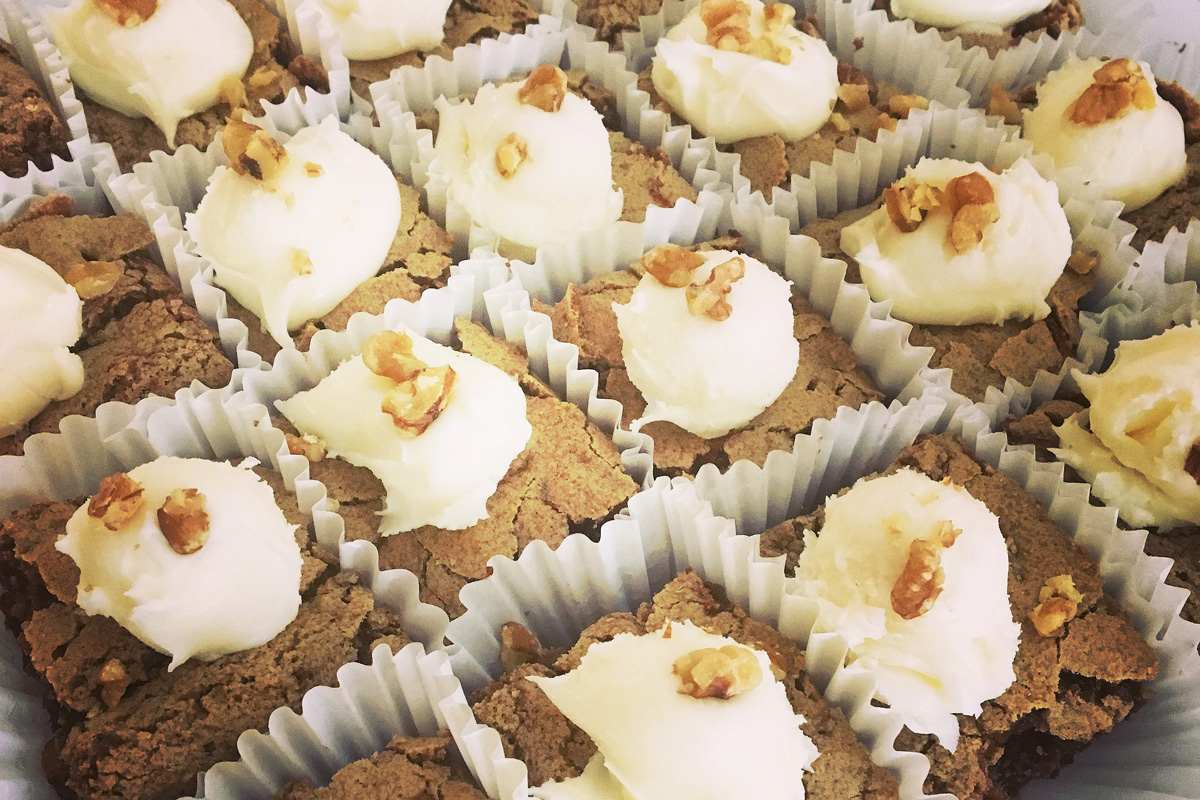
x=343, y=220
x=41, y=317
x=166, y=68
x=1133, y=158
x=371, y=29
x=705, y=376
x=192, y=606
x=957, y=654
x=658, y=743
x=1006, y=276
x=564, y=187
x=984, y=16
x=443, y=477
x=1144, y=419
x=731, y=96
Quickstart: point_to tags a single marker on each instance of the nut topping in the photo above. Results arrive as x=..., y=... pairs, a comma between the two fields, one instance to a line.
x=901, y=105
x=128, y=13
x=389, y=354
x=518, y=646
x=711, y=298
x=421, y=391
x=307, y=445
x=908, y=202
x=920, y=582
x=184, y=520
x=972, y=203
x=722, y=674
x=313, y=170
x=671, y=265
x=510, y=155
x=113, y=682
x=252, y=151
x=118, y=500
x=728, y=28
x=1002, y=104
x=545, y=88
x=233, y=92
x=301, y=263
x=1059, y=603
x=856, y=96
x=1119, y=85
x=94, y=278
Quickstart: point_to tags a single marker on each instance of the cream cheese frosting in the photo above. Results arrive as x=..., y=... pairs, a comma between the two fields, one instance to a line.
x=731, y=95
x=563, y=187
x=292, y=249
x=195, y=605
x=1133, y=158
x=1007, y=275
x=41, y=318
x=958, y=649
x=166, y=68
x=444, y=476
x=370, y=29
x=625, y=695
x=1137, y=444
x=709, y=377
x=982, y=16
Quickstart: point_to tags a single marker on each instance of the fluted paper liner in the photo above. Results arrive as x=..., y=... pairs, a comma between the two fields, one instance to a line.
x=72, y=464
x=412, y=90
x=665, y=531
x=1168, y=726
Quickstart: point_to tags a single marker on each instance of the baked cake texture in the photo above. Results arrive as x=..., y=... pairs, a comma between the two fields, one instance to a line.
x=533, y=730
x=30, y=129
x=140, y=337
x=1058, y=17
x=125, y=728
x=1070, y=687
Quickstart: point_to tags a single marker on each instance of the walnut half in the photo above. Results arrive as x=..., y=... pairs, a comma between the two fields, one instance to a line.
x=128, y=13
x=1058, y=604
x=545, y=88
x=671, y=265
x=721, y=674
x=1119, y=86
x=421, y=391
x=92, y=279
x=711, y=298
x=118, y=500
x=183, y=520
x=252, y=151
x=920, y=581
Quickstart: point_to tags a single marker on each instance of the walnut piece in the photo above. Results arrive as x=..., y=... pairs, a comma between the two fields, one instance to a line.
x=671, y=265
x=545, y=88
x=510, y=155
x=908, y=202
x=252, y=151
x=728, y=28
x=233, y=92
x=972, y=203
x=307, y=445
x=1119, y=86
x=1002, y=104
x=518, y=646
x=183, y=520
x=128, y=13
x=856, y=96
x=1058, y=604
x=901, y=105
x=721, y=674
x=920, y=581
x=113, y=682
x=93, y=279
x=711, y=298
x=118, y=500
x=313, y=170
x=415, y=404
x=301, y=263
x=883, y=122
x=1082, y=262
x=389, y=354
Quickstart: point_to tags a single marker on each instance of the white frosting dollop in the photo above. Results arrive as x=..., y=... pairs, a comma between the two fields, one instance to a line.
x=371, y=29
x=166, y=68
x=292, y=252
x=1133, y=158
x=443, y=477
x=1144, y=421
x=730, y=96
x=655, y=742
x=41, y=317
x=957, y=654
x=196, y=605
x=1006, y=276
x=565, y=185
x=709, y=377
x=983, y=16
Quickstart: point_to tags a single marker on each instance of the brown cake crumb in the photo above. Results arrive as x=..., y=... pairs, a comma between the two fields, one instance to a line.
x=1058, y=17
x=30, y=129
x=611, y=18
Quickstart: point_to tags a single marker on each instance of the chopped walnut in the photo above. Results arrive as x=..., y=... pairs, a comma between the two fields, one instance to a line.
x=908, y=202
x=252, y=151
x=901, y=105
x=1119, y=85
x=721, y=674
x=93, y=279
x=1058, y=604
x=510, y=155
x=518, y=646
x=1002, y=104
x=313, y=170
x=1191, y=462
x=840, y=122
x=728, y=28
x=233, y=92
x=883, y=122
x=1082, y=262
x=389, y=354
x=972, y=203
x=856, y=96
x=128, y=13
x=307, y=445
x=778, y=16
x=545, y=88
x=301, y=263
x=711, y=298
x=118, y=500
x=183, y=520
x=920, y=581
x=671, y=265
x=113, y=682
x=415, y=404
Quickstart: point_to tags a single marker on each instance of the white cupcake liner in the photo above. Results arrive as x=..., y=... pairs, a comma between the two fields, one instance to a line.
x=413, y=90
x=1168, y=726
x=72, y=464
x=666, y=530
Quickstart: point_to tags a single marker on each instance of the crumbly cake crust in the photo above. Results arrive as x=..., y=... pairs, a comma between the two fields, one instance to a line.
x=533, y=730
x=165, y=727
x=30, y=129
x=611, y=18
x=140, y=338
x=1070, y=687
x=1059, y=17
